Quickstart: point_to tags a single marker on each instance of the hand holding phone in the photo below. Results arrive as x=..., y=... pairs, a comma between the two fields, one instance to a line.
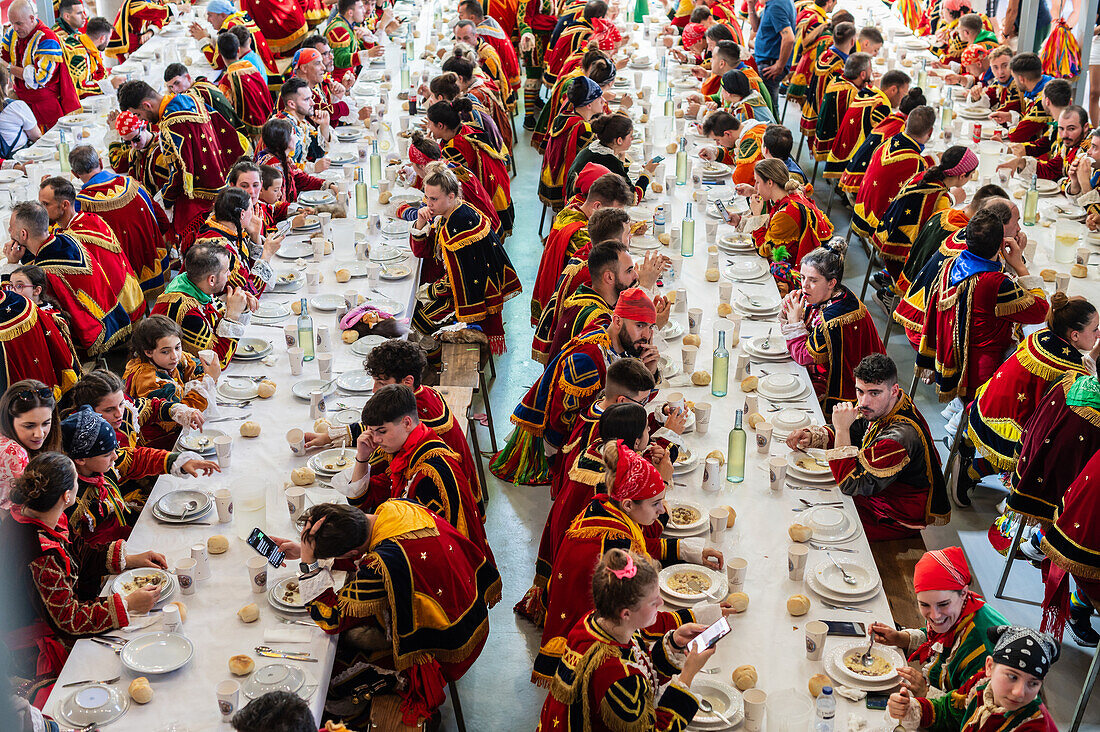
x=263, y=544
x=709, y=637
x=656, y=159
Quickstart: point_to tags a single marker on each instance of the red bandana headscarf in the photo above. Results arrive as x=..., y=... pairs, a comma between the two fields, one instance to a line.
x=417, y=157
x=944, y=570
x=605, y=34
x=128, y=122
x=634, y=304
x=636, y=478
x=693, y=33
x=974, y=54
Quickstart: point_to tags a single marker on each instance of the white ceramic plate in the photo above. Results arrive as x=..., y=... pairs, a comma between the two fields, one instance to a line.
x=251, y=349
x=409, y=198
x=831, y=524
x=807, y=464
x=668, y=367
x=202, y=441
x=96, y=703
x=745, y=270
x=33, y=154
x=344, y=158
x=278, y=593
x=349, y=134
x=328, y=462
x=175, y=503
x=719, y=586
x=157, y=653
x=385, y=253
x=780, y=385
x=776, y=346
x=364, y=345
x=315, y=198
x=832, y=668
x=272, y=310
x=346, y=417
x=303, y=388
x=191, y=517
x=10, y=176
x=273, y=677
x=167, y=584
x=357, y=382
x=395, y=272
x=386, y=305
x=295, y=250
x=686, y=462
x=756, y=303
x=644, y=243
x=327, y=302
x=703, y=517
x=395, y=227
x=824, y=592
x=888, y=653
x=237, y=389
x=831, y=578
x=789, y=420
x=725, y=700
x=672, y=330
x=1046, y=187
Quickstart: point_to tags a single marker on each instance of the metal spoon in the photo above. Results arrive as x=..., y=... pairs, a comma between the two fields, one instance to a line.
x=188, y=508
x=709, y=709
x=848, y=579
x=867, y=659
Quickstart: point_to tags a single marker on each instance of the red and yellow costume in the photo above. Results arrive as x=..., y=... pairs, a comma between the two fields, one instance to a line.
x=247, y=91
x=100, y=242
x=825, y=69
x=46, y=85
x=830, y=342
x=931, y=239
x=428, y=586
x=568, y=234
x=200, y=317
x=138, y=221
x=83, y=59
x=917, y=202
x=259, y=45
x=604, y=685
x=568, y=135
x=1062, y=434
x=1054, y=165
x=840, y=95
x=472, y=149
x=145, y=380
x=54, y=600
x=910, y=311
x=854, y=172
x=491, y=33
x=1005, y=403
x=82, y=286
x=283, y=23
x=802, y=79
x=134, y=18
x=1035, y=122
x=794, y=228
x=341, y=38
x=891, y=166
x=970, y=322
x=105, y=510
x=574, y=274
x=810, y=24
x=294, y=181
x=1073, y=542
x=870, y=107
x=891, y=470
x=34, y=346
x=490, y=63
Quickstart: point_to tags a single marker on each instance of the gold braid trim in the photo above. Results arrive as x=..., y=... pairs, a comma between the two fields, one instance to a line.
x=29, y=317
x=881, y=472
x=848, y=318
x=1088, y=414
x=615, y=724
x=1020, y=303
x=588, y=477
x=583, y=668
x=1075, y=568
x=1045, y=371
x=95, y=204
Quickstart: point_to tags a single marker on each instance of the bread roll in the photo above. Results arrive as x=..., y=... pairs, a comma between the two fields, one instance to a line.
x=322, y=425
x=744, y=677
x=249, y=613
x=679, y=114
x=241, y=665
x=731, y=516
x=217, y=544
x=754, y=419
x=384, y=197
x=671, y=148
x=265, y=389
x=712, y=275
x=799, y=532
x=692, y=339
x=302, y=476
x=1079, y=270
x=250, y=429
x=642, y=120
x=724, y=308
x=717, y=455
x=1048, y=275
x=296, y=307
x=749, y=384
x=181, y=607
x=349, y=336
x=798, y=605
x=739, y=601
x=700, y=378
x=343, y=275
x=817, y=683
x=664, y=238
x=140, y=691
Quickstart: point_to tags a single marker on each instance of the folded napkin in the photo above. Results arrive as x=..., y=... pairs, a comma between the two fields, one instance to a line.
x=288, y=635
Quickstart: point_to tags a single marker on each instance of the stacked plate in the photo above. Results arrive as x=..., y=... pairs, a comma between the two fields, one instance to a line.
x=271, y=312
x=668, y=367
x=683, y=585
x=316, y=198
x=837, y=669
x=133, y=579
x=786, y=421
x=251, y=349
x=686, y=461
x=202, y=442
x=298, y=249
x=644, y=243
x=386, y=305
x=328, y=302
x=10, y=176
x=303, y=388
x=736, y=243
x=671, y=330
x=395, y=271
x=92, y=705
x=723, y=698
x=778, y=387
x=758, y=306
x=349, y=134
x=77, y=120
x=831, y=524
x=343, y=158
x=365, y=343
x=309, y=224
x=284, y=596
x=395, y=227
x=829, y=581
x=355, y=382
x=746, y=269
x=274, y=677
x=808, y=468
x=328, y=463
x=973, y=113
x=182, y=507
x=157, y=653
x=766, y=348
x=710, y=170
x=686, y=518
x=1047, y=188
x=33, y=154
x=386, y=253
x=290, y=281
x=238, y=389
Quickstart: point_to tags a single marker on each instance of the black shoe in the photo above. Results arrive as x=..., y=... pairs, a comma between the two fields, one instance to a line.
x=881, y=281
x=529, y=122
x=1080, y=627
x=1033, y=549
x=960, y=496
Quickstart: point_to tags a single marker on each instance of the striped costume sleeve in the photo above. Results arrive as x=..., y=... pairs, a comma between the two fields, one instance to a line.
x=46, y=56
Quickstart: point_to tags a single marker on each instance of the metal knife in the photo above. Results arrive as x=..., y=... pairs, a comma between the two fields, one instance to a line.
x=845, y=607
x=90, y=681
x=288, y=656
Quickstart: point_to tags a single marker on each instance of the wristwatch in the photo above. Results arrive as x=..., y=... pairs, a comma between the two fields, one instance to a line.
x=304, y=568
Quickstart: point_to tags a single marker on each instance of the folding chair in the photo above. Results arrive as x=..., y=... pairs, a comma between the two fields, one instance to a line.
x=1086, y=692
x=1013, y=549
x=456, y=704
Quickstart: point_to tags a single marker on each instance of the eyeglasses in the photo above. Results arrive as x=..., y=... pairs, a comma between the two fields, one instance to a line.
x=28, y=395
x=639, y=402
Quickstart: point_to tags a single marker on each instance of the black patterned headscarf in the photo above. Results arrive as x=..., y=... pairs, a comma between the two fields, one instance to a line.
x=1023, y=649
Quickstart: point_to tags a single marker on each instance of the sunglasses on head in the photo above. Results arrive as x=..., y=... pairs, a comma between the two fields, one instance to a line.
x=29, y=395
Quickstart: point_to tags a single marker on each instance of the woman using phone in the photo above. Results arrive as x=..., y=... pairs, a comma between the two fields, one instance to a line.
x=953, y=646
x=614, y=664
x=570, y=132
x=614, y=136
x=52, y=583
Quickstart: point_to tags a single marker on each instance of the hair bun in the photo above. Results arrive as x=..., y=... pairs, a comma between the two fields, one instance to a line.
x=1059, y=300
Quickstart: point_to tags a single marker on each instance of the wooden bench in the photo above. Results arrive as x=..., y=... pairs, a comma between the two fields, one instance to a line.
x=462, y=367
x=459, y=398
x=385, y=715
x=896, y=561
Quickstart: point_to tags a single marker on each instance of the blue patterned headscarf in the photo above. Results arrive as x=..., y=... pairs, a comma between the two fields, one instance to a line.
x=85, y=434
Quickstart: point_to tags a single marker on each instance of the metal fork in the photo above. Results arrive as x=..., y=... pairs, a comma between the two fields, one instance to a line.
x=850, y=608
x=827, y=548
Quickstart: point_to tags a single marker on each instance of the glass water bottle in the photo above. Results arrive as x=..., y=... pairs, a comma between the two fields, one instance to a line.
x=63, y=151
x=305, y=333
x=720, y=367
x=1031, y=203
x=670, y=106
x=735, y=456
x=405, y=68
x=682, y=162
x=687, y=233
x=375, y=165
x=362, y=205
x=662, y=76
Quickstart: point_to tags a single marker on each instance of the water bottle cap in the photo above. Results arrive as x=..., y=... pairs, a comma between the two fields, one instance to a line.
x=827, y=690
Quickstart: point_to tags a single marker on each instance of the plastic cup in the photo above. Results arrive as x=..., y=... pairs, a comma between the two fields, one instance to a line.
x=676, y=400
x=1061, y=282
x=313, y=277
x=325, y=218
x=257, y=574
x=297, y=440
x=796, y=561
x=725, y=292
x=318, y=243
x=816, y=630
x=170, y=617
x=223, y=444
x=777, y=472
x=764, y=437
x=296, y=357
x=316, y=404
x=185, y=575
x=324, y=338
x=223, y=501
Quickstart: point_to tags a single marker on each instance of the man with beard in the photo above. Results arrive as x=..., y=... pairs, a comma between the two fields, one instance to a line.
x=882, y=454
x=328, y=95
x=571, y=382
x=311, y=126
x=1071, y=139
x=83, y=48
